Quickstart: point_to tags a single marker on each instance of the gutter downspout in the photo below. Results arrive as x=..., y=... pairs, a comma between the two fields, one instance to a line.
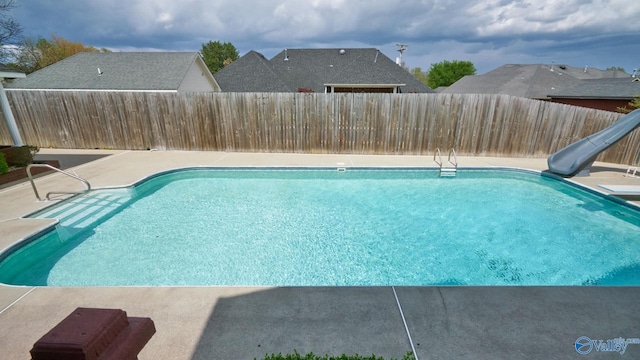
x=8, y=117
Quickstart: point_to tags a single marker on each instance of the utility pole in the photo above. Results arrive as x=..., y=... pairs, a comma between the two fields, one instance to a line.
x=401, y=48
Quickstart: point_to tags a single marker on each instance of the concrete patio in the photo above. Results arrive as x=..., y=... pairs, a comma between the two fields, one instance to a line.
x=247, y=323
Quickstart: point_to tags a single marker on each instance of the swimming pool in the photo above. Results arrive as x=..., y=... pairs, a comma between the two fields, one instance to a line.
x=317, y=226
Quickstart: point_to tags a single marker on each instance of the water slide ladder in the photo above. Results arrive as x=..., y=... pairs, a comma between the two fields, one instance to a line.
x=451, y=167
x=48, y=196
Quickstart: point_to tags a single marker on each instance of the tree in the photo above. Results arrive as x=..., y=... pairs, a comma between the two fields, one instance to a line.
x=58, y=49
x=420, y=75
x=10, y=30
x=34, y=54
x=27, y=56
x=633, y=105
x=618, y=68
x=446, y=72
x=217, y=55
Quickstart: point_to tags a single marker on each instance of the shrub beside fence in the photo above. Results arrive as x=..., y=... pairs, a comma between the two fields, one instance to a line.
x=473, y=124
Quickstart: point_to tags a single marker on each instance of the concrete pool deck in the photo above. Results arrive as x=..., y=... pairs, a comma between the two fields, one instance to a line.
x=249, y=322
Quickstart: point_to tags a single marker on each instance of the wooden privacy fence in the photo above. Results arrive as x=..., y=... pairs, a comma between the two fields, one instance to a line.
x=485, y=125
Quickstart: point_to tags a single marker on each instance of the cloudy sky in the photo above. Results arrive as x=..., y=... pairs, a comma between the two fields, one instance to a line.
x=489, y=33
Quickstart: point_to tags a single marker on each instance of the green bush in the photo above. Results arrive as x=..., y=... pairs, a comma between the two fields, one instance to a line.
x=4, y=167
x=20, y=156
x=312, y=356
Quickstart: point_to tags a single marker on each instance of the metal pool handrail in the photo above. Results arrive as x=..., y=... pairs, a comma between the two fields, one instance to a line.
x=447, y=170
x=439, y=155
x=35, y=190
x=455, y=158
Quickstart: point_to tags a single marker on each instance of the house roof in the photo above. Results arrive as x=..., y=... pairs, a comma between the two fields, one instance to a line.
x=617, y=89
x=251, y=73
x=10, y=73
x=118, y=71
x=533, y=81
x=315, y=69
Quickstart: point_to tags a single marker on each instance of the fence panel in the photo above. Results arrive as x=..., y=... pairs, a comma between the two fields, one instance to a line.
x=473, y=124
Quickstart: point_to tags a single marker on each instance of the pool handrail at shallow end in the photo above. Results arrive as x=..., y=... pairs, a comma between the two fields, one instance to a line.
x=47, y=197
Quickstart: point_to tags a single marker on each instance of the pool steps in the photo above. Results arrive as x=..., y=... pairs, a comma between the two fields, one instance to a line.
x=450, y=169
x=83, y=211
x=448, y=172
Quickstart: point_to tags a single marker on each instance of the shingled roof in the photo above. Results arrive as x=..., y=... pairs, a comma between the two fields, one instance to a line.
x=251, y=73
x=620, y=89
x=534, y=81
x=128, y=71
x=315, y=69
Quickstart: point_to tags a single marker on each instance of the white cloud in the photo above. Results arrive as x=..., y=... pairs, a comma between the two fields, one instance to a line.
x=499, y=18
x=488, y=30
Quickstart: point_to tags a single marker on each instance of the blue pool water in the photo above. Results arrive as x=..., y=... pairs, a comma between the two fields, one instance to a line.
x=324, y=227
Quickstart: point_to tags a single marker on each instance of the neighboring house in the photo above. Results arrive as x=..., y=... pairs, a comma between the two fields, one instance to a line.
x=603, y=94
x=179, y=72
x=535, y=81
x=319, y=70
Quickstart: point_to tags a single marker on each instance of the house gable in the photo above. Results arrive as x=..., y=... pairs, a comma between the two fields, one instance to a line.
x=251, y=73
x=198, y=78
